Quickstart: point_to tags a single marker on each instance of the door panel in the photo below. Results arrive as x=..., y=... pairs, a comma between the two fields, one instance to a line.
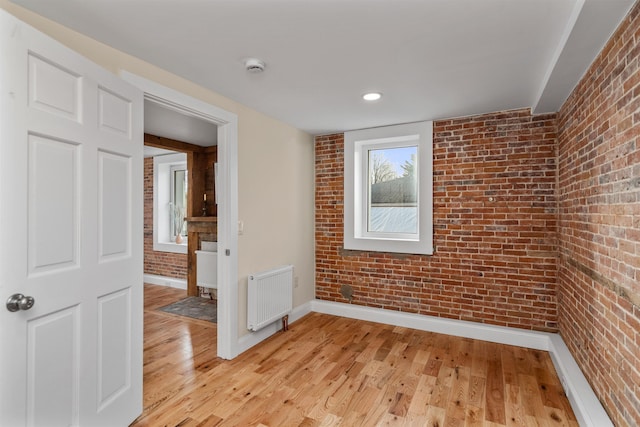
x=114, y=346
x=52, y=394
x=54, y=89
x=71, y=201
x=53, y=204
x=114, y=185
x=114, y=113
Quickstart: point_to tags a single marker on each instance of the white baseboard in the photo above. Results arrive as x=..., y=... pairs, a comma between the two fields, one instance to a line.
x=459, y=328
x=584, y=402
x=586, y=406
x=165, y=281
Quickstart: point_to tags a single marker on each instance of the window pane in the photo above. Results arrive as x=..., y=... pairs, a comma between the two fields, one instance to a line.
x=179, y=200
x=393, y=189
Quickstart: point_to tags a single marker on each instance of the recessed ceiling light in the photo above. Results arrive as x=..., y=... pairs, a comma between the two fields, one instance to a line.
x=372, y=96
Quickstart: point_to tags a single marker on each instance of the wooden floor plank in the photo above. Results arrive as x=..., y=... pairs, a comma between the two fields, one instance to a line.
x=332, y=371
x=495, y=387
x=514, y=411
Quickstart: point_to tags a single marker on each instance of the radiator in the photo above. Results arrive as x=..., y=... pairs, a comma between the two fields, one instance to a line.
x=270, y=297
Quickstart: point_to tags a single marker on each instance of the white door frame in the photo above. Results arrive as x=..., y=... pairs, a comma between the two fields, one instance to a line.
x=227, y=199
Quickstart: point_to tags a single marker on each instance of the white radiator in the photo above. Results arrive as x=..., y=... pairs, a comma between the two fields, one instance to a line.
x=270, y=296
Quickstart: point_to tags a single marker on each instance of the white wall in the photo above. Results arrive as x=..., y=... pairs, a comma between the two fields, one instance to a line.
x=275, y=161
x=276, y=182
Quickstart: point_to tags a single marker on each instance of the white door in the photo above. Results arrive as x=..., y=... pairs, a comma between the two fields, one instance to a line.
x=71, y=236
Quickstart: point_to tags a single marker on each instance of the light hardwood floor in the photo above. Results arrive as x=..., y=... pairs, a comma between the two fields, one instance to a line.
x=328, y=370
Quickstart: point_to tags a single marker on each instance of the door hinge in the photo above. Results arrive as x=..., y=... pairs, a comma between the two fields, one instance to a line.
x=227, y=252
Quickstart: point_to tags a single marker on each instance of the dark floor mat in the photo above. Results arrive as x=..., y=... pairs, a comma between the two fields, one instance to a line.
x=194, y=307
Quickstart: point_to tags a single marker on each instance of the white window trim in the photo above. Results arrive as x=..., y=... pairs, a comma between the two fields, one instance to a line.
x=162, y=239
x=355, y=189
x=172, y=184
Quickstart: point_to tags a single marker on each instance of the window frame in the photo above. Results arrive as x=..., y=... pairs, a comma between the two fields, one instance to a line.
x=163, y=238
x=356, y=188
x=181, y=167
x=362, y=180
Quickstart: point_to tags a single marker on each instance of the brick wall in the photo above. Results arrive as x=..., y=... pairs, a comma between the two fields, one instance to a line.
x=599, y=228
x=159, y=263
x=495, y=261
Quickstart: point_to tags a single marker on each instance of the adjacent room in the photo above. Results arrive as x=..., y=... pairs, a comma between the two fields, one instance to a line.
x=417, y=213
x=180, y=204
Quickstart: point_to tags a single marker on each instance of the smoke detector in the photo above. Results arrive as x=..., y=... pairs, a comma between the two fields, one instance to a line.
x=254, y=65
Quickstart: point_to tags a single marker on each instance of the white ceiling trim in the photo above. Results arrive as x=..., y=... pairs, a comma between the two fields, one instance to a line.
x=596, y=22
x=575, y=13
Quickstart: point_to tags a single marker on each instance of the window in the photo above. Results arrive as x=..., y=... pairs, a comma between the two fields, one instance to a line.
x=169, y=202
x=178, y=200
x=388, y=189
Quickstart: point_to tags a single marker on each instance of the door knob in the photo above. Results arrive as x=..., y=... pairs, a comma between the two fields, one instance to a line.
x=17, y=302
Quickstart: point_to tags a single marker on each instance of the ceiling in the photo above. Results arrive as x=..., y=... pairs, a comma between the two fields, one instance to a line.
x=161, y=121
x=430, y=59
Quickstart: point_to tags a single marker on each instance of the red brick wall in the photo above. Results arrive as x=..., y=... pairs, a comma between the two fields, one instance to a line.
x=160, y=263
x=599, y=227
x=495, y=262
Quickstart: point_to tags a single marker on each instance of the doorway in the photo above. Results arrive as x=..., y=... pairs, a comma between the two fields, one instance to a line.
x=227, y=213
x=179, y=174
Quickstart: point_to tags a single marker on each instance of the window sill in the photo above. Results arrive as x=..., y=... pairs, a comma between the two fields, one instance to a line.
x=178, y=248
x=388, y=245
